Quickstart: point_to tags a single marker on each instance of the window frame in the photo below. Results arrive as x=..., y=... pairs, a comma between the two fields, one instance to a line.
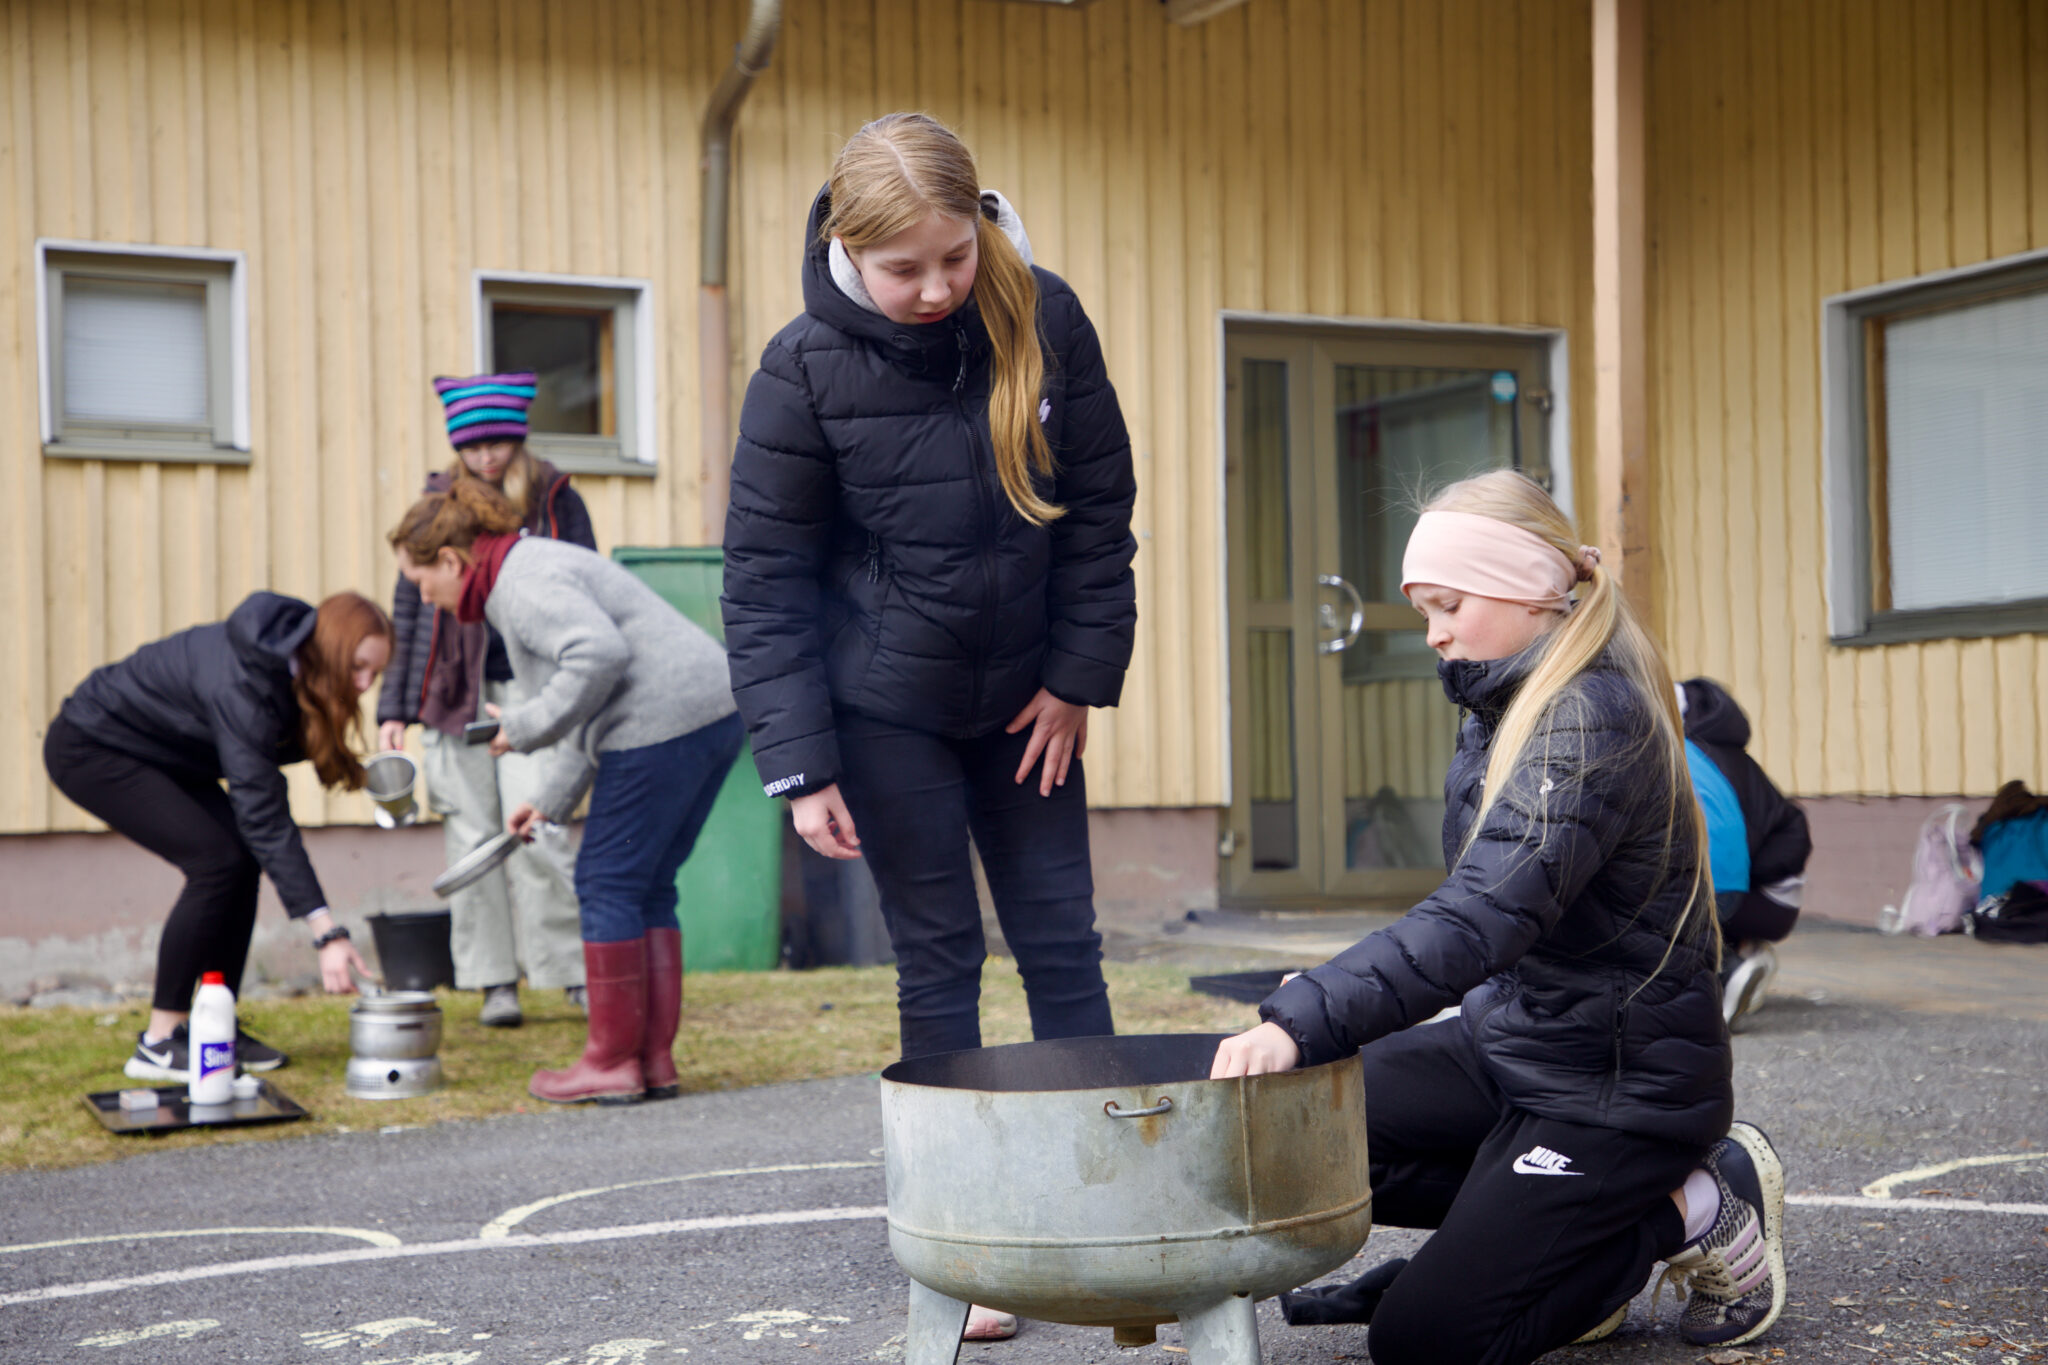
x=224, y=439
x=632, y=452
x=1853, y=469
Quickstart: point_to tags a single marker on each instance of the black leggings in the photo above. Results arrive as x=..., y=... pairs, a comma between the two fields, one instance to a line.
x=184, y=819
x=1543, y=1227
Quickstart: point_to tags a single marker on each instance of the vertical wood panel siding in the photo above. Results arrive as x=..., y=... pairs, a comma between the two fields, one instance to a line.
x=1386, y=159
x=1797, y=151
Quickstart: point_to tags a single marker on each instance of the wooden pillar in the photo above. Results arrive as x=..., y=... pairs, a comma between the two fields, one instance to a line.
x=1621, y=460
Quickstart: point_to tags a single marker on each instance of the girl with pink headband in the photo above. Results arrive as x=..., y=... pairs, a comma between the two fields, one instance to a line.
x=1570, y=1127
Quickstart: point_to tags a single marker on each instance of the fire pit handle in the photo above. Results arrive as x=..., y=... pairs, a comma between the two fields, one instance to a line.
x=1162, y=1107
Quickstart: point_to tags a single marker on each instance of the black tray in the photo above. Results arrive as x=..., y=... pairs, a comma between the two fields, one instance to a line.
x=1251, y=987
x=173, y=1112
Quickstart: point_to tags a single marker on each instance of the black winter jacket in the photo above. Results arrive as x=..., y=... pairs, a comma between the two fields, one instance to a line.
x=1550, y=927
x=426, y=642
x=216, y=702
x=1779, y=843
x=872, y=561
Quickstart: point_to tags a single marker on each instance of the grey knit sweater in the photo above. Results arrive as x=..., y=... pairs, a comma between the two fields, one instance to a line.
x=599, y=662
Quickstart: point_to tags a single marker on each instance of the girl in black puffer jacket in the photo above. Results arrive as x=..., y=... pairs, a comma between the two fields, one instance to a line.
x=1570, y=1128
x=928, y=575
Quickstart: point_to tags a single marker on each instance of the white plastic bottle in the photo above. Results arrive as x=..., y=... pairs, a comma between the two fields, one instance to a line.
x=211, y=1036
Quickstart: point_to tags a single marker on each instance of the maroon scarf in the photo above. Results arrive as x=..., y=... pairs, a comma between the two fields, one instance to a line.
x=486, y=557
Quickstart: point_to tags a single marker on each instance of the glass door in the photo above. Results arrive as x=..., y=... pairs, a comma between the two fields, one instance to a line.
x=1341, y=733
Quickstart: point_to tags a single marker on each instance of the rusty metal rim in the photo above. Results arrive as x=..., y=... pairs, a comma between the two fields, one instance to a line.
x=1041, y=1243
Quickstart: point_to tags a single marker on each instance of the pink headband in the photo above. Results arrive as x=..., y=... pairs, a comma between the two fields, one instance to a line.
x=1470, y=553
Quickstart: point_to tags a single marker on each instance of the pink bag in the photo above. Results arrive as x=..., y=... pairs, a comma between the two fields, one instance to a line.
x=1946, y=873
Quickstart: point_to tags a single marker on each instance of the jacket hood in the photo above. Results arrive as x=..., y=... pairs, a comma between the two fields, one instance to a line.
x=268, y=628
x=1711, y=715
x=828, y=300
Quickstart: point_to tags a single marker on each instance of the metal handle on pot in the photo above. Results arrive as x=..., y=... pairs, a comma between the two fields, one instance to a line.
x=1162, y=1107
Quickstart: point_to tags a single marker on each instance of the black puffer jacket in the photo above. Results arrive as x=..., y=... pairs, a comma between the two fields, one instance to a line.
x=872, y=561
x=1550, y=927
x=216, y=702
x=1779, y=842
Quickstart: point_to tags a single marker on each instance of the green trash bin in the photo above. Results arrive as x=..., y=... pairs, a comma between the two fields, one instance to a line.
x=731, y=887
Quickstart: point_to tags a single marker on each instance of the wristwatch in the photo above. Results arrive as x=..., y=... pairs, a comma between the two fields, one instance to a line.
x=337, y=933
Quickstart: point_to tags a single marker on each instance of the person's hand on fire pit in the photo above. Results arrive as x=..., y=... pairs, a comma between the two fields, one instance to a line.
x=1259, y=1052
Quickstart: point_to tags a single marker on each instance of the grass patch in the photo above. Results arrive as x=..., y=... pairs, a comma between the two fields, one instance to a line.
x=739, y=1029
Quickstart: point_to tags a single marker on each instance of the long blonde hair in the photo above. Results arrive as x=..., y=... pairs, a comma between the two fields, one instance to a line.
x=888, y=177
x=520, y=485
x=1601, y=625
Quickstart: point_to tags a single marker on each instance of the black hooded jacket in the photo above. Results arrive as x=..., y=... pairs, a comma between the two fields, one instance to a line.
x=1779, y=843
x=1551, y=927
x=872, y=560
x=216, y=702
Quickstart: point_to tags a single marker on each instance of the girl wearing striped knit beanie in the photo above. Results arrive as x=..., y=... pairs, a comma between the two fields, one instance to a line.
x=521, y=919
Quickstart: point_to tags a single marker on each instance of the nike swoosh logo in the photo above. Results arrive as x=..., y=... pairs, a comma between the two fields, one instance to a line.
x=159, y=1058
x=1522, y=1167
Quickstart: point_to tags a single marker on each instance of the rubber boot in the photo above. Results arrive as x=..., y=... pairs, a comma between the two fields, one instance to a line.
x=664, y=1011
x=609, y=1069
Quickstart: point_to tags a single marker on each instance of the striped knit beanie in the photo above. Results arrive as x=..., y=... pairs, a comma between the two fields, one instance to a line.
x=486, y=407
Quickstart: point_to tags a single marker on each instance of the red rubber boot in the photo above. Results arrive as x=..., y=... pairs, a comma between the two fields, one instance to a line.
x=609, y=1069
x=664, y=1012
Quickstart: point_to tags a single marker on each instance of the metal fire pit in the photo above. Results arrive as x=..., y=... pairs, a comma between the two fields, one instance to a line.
x=1108, y=1182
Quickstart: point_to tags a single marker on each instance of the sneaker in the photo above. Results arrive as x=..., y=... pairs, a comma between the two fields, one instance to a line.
x=501, y=1007
x=256, y=1055
x=166, y=1059
x=1743, y=991
x=1735, y=1273
x=577, y=996
x=1607, y=1328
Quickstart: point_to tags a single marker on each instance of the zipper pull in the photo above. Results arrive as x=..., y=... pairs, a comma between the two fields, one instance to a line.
x=960, y=345
x=874, y=558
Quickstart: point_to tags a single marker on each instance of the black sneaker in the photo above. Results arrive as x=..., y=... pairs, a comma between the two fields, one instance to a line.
x=166, y=1059
x=256, y=1055
x=1736, y=1272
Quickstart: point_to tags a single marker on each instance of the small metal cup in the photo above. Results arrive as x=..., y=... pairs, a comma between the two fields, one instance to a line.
x=390, y=779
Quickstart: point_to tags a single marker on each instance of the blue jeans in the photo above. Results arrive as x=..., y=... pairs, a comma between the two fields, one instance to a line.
x=916, y=799
x=647, y=807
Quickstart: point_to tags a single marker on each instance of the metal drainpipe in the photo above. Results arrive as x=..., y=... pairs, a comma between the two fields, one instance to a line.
x=714, y=328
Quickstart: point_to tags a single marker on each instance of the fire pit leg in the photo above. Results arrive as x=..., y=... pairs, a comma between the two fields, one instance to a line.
x=936, y=1323
x=1224, y=1334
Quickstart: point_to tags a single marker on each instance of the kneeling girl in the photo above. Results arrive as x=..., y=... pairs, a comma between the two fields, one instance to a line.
x=1570, y=1128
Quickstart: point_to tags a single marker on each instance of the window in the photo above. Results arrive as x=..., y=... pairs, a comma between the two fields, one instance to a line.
x=144, y=353
x=1937, y=455
x=590, y=344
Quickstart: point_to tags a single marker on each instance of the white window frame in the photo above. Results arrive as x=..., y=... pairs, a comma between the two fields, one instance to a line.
x=226, y=276
x=1845, y=471
x=633, y=452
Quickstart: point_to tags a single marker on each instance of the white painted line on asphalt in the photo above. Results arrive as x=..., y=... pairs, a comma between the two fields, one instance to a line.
x=374, y=1238
x=524, y=1241
x=502, y=1225
x=1882, y=1189
x=1860, y=1201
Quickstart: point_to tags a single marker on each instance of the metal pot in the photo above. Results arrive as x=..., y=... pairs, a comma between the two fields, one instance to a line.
x=371, y=1078
x=1134, y=1189
x=389, y=779
x=395, y=1026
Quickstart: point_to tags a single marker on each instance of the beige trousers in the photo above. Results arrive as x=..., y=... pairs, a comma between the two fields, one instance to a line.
x=523, y=917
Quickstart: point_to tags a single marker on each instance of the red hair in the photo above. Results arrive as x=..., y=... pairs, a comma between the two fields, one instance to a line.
x=330, y=708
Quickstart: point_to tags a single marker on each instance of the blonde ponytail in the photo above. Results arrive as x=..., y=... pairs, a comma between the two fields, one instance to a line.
x=890, y=176
x=1601, y=624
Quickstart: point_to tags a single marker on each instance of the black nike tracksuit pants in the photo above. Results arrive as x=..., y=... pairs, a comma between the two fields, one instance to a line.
x=1543, y=1228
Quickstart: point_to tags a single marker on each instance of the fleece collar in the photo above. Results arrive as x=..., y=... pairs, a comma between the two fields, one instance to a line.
x=994, y=207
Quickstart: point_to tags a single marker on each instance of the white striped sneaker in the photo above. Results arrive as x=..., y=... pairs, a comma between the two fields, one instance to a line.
x=1735, y=1273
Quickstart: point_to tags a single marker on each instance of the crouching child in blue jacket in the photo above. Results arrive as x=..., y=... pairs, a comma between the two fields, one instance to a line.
x=1571, y=1127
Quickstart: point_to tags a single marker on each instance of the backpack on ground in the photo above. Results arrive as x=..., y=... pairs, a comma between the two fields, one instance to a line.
x=1946, y=874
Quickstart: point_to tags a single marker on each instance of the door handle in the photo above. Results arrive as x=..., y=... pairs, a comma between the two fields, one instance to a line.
x=1327, y=616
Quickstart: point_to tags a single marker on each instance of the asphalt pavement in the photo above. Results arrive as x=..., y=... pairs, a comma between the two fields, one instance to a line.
x=747, y=1225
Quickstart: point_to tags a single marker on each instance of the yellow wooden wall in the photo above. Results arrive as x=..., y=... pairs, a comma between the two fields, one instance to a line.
x=1364, y=158
x=1797, y=151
